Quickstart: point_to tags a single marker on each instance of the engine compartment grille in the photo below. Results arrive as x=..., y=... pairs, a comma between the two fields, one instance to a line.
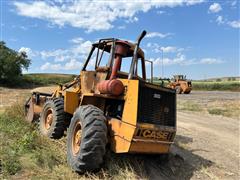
x=156, y=106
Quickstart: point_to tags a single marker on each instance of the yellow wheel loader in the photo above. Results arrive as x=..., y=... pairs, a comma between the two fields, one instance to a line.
x=110, y=102
x=180, y=84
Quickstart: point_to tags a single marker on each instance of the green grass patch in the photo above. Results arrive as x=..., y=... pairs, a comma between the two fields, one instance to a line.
x=20, y=140
x=229, y=110
x=47, y=79
x=25, y=154
x=33, y=80
x=216, y=86
x=210, y=85
x=217, y=111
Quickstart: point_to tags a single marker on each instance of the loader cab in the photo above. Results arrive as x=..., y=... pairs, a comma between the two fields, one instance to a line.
x=179, y=77
x=114, y=58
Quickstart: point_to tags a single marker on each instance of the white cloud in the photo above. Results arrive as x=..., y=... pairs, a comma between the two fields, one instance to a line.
x=73, y=64
x=27, y=50
x=220, y=20
x=161, y=12
x=54, y=53
x=92, y=15
x=82, y=48
x=23, y=28
x=154, y=47
x=132, y=20
x=157, y=34
x=167, y=49
x=121, y=27
x=62, y=59
x=215, y=7
x=76, y=40
x=49, y=66
x=234, y=24
x=234, y=3
x=78, y=51
x=66, y=59
x=181, y=59
x=210, y=61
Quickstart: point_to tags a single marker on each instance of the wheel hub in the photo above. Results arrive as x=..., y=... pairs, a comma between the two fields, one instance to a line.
x=76, y=140
x=49, y=118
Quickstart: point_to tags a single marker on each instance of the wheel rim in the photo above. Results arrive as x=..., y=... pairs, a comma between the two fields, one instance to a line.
x=76, y=139
x=48, y=118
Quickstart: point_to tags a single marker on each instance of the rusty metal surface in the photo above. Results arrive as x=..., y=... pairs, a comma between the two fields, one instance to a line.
x=90, y=79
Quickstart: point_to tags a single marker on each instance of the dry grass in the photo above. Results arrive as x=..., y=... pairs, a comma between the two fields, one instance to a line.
x=9, y=97
x=225, y=108
x=217, y=107
x=209, y=173
x=189, y=106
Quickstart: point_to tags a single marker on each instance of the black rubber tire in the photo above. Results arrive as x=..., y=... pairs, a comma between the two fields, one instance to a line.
x=178, y=89
x=165, y=157
x=93, y=139
x=59, y=125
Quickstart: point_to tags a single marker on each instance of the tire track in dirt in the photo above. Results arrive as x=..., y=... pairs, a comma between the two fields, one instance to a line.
x=216, y=136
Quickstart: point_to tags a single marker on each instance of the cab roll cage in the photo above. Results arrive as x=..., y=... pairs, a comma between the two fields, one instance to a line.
x=102, y=43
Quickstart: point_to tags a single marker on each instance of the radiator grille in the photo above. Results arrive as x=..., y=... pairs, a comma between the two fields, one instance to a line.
x=156, y=106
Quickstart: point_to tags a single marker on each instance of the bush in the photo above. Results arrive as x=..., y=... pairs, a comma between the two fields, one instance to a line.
x=11, y=64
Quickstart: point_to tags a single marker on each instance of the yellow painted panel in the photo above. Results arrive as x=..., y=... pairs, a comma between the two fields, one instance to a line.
x=121, y=129
x=131, y=103
x=121, y=135
x=126, y=131
x=119, y=145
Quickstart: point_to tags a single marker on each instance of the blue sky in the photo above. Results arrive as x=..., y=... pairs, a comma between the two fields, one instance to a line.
x=198, y=38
